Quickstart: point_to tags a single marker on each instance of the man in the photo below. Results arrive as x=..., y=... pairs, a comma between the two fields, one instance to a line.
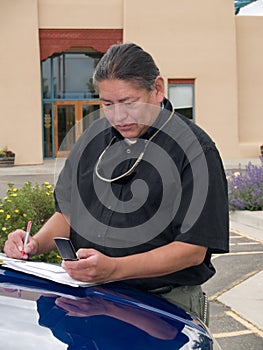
x=143, y=193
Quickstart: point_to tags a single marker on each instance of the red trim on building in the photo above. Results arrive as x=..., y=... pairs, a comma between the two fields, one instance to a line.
x=181, y=81
x=59, y=40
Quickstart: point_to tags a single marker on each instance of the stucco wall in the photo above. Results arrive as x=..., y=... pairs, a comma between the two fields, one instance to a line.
x=190, y=41
x=204, y=41
x=250, y=83
x=20, y=97
x=80, y=14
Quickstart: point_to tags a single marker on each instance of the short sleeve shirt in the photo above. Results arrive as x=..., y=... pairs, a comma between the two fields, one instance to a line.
x=176, y=192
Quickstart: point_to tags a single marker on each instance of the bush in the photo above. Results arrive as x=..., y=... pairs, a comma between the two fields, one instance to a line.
x=246, y=188
x=35, y=203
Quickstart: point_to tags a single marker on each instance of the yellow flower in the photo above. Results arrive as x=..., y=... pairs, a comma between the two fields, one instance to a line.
x=14, y=189
x=2, y=211
x=24, y=215
x=48, y=193
x=8, y=216
x=16, y=210
x=47, y=183
x=14, y=195
x=9, y=200
x=48, y=186
x=3, y=228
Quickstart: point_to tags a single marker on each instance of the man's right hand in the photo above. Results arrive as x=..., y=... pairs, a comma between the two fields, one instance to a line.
x=14, y=245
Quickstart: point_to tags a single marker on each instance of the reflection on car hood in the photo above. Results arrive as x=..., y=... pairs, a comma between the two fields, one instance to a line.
x=39, y=313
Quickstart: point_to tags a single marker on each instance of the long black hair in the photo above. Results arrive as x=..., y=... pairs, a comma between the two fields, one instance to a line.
x=127, y=62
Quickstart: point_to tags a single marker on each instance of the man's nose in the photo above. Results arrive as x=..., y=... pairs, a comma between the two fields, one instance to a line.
x=120, y=113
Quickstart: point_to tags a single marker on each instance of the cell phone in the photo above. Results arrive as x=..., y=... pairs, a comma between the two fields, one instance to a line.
x=66, y=248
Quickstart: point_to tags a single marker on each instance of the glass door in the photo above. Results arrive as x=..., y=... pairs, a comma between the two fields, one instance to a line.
x=90, y=111
x=64, y=121
x=71, y=118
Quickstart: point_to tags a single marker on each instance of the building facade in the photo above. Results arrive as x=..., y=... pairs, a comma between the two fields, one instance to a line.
x=210, y=58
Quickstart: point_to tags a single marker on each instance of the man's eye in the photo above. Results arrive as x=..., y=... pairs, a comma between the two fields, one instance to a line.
x=108, y=106
x=131, y=105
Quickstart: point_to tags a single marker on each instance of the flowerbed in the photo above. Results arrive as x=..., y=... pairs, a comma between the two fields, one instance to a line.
x=35, y=203
x=245, y=188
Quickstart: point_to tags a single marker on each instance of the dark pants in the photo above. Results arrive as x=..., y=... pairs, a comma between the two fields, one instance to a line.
x=190, y=298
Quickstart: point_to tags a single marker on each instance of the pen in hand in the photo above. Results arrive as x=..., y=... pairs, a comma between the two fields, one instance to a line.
x=28, y=229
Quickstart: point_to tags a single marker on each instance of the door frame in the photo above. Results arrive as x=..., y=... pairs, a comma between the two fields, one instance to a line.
x=78, y=117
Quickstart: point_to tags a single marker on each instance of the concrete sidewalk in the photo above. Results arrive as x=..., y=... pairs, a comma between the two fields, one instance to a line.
x=234, y=164
x=246, y=299
x=52, y=166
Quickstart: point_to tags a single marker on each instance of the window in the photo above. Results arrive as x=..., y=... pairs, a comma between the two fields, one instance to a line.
x=181, y=94
x=69, y=76
x=68, y=98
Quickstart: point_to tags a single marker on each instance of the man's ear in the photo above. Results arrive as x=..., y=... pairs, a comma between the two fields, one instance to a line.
x=159, y=88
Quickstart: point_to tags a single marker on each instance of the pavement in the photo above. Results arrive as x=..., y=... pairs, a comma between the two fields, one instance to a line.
x=246, y=298
x=48, y=167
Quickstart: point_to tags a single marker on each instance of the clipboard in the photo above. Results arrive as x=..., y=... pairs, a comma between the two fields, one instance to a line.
x=52, y=272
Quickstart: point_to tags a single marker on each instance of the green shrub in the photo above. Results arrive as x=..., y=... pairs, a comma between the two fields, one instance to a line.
x=35, y=203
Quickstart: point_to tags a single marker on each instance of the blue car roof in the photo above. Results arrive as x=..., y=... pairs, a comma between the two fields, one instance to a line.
x=105, y=317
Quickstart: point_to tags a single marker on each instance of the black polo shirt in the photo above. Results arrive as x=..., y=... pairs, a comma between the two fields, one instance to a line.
x=177, y=192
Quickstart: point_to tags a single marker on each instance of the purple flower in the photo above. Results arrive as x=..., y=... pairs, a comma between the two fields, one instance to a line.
x=245, y=188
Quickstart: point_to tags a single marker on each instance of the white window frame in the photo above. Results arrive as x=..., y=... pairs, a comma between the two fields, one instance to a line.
x=187, y=95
